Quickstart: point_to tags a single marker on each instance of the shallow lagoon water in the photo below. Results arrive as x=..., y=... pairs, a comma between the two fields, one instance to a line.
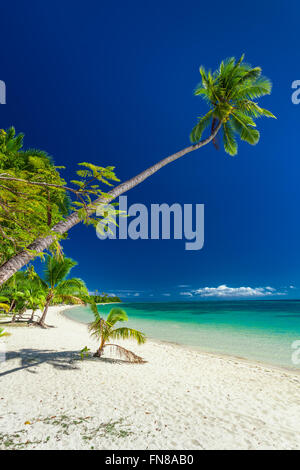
x=255, y=330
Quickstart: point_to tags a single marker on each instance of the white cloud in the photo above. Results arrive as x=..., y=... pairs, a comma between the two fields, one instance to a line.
x=188, y=294
x=128, y=293
x=94, y=293
x=167, y=295
x=225, y=291
x=292, y=287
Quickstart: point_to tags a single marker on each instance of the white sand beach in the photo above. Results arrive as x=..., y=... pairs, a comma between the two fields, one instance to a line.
x=180, y=399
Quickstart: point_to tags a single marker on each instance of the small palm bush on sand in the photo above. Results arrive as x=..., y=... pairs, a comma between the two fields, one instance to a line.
x=3, y=304
x=3, y=333
x=104, y=331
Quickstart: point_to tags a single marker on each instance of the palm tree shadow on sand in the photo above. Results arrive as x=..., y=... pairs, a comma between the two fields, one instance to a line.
x=63, y=360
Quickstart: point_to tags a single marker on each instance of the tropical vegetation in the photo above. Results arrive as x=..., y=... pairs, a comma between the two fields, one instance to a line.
x=105, y=298
x=34, y=198
x=59, y=289
x=104, y=331
x=31, y=198
x=23, y=291
x=26, y=290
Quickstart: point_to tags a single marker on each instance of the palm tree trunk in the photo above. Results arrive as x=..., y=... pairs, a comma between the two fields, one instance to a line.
x=99, y=351
x=13, y=303
x=41, y=244
x=41, y=321
x=32, y=316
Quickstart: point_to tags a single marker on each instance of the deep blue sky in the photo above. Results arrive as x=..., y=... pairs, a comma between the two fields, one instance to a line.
x=112, y=83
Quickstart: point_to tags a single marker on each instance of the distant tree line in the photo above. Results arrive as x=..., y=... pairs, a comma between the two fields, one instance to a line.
x=105, y=299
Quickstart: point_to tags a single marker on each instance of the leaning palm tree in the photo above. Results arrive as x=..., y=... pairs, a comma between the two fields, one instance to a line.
x=229, y=92
x=103, y=331
x=58, y=287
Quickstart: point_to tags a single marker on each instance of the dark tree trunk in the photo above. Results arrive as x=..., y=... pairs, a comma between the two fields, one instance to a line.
x=100, y=350
x=41, y=321
x=98, y=353
x=49, y=210
x=32, y=316
x=13, y=303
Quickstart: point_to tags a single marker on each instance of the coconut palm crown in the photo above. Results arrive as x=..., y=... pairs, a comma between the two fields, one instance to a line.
x=229, y=92
x=103, y=331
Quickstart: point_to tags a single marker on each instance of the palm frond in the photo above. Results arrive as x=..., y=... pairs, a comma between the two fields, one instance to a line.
x=72, y=299
x=96, y=328
x=250, y=75
x=123, y=353
x=230, y=143
x=244, y=126
x=250, y=135
x=116, y=314
x=128, y=333
x=229, y=91
x=243, y=118
x=72, y=286
x=256, y=89
x=252, y=109
x=200, y=127
x=57, y=269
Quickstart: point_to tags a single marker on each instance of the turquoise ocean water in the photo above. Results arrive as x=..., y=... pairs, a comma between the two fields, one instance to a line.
x=256, y=330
